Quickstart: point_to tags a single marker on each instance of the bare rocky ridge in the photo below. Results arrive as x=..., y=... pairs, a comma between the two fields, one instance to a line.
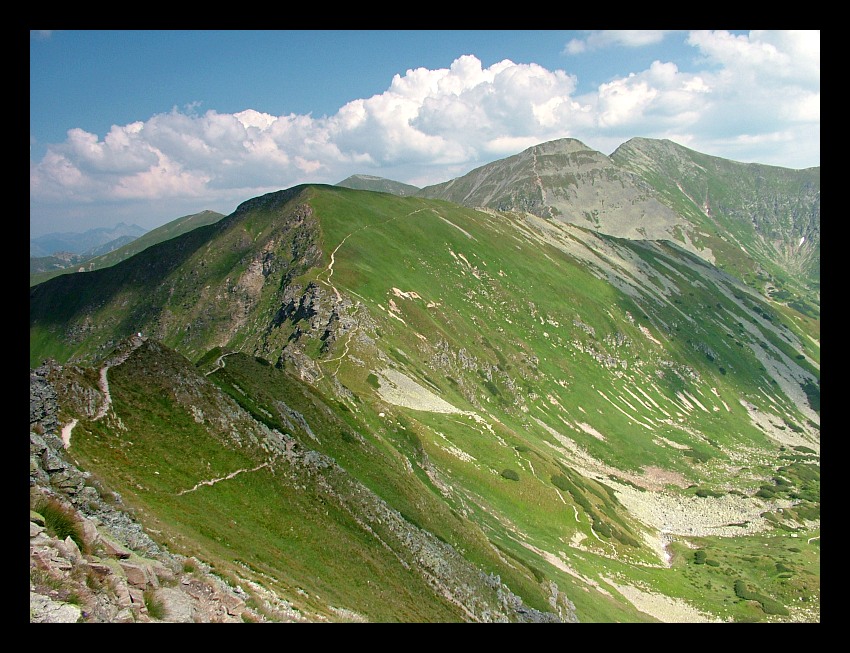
x=567, y=181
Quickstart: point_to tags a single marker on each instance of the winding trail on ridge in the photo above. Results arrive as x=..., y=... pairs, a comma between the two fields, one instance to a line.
x=103, y=385
x=219, y=363
x=329, y=271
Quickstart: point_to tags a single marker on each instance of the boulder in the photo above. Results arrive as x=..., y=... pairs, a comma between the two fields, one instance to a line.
x=44, y=610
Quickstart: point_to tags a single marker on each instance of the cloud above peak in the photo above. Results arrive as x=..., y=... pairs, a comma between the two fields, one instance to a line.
x=428, y=117
x=759, y=91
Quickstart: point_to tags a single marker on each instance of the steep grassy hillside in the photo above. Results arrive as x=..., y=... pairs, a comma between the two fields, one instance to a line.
x=257, y=499
x=574, y=413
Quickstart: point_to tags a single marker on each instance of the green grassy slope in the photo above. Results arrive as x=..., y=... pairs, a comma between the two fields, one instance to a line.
x=555, y=404
x=261, y=503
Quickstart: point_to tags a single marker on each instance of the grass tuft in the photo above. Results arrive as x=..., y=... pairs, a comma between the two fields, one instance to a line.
x=61, y=522
x=154, y=606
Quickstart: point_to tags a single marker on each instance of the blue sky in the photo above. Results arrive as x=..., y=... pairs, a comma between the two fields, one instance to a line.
x=146, y=126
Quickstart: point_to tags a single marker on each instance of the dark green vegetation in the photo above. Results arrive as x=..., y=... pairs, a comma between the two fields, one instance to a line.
x=155, y=608
x=402, y=408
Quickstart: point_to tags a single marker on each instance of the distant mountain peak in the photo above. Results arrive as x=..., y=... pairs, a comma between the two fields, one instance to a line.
x=560, y=145
x=80, y=242
x=378, y=184
x=366, y=177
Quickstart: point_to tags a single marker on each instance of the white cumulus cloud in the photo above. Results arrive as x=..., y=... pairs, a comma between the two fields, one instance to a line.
x=753, y=97
x=632, y=38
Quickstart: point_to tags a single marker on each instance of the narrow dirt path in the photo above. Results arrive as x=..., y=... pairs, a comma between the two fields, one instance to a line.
x=329, y=271
x=103, y=385
x=66, y=433
x=107, y=398
x=338, y=360
x=219, y=363
x=213, y=481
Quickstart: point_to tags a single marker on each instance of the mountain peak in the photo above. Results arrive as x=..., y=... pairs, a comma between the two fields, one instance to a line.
x=560, y=146
x=568, y=181
x=378, y=184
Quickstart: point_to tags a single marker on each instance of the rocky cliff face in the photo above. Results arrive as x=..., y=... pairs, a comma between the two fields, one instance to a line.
x=770, y=213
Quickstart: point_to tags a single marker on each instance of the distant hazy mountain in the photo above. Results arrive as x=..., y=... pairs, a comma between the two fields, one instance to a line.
x=79, y=243
x=368, y=182
x=45, y=268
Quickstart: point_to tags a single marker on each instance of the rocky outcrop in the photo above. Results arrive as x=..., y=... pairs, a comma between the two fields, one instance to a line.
x=109, y=570
x=107, y=582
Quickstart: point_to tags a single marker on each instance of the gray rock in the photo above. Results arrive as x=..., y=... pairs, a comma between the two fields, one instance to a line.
x=91, y=536
x=44, y=610
x=52, y=462
x=69, y=550
x=114, y=549
x=139, y=575
x=178, y=607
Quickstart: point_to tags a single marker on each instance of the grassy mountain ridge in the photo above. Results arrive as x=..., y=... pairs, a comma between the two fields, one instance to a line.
x=273, y=484
x=572, y=412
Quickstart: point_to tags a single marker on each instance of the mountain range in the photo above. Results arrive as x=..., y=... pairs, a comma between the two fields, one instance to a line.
x=44, y=268
x=563, y=387
x=81, y=243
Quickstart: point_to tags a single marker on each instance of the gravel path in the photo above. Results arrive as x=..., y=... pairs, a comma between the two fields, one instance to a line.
x=66, y=432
